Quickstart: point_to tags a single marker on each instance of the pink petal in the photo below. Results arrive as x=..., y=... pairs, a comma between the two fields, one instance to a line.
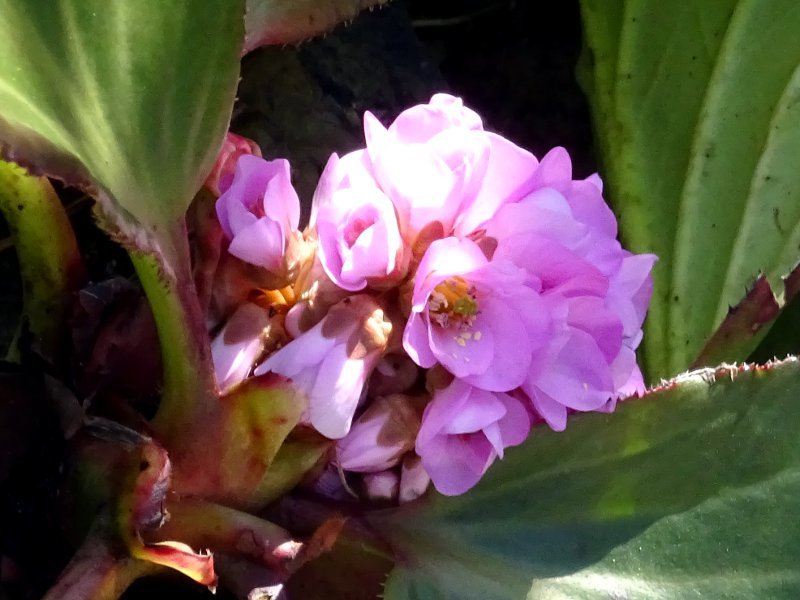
x=511, y=348
x=554, y=413
x=562, y=271
x=589, y=314
x=589, y=207
x=442, y=409
x=336, y=392
x=480, y=410
x=236, y=215
x=555, y=170
x=493, y=435
x=260, y=243
x=467, y=356
x=627, y=376
x=418, y=182
x=301, y=353
x=580, y=377
x=515, y=425
x=420, y=123
x=507, y=173
x=456, y=464
x=281, y=203
x=414, y=481
x=415, y=341
x=444, y=258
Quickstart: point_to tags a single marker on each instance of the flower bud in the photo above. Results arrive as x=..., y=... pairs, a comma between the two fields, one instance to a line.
x=414, y=480
x=260, y=212
x=382, y=486
x=381, y=436
x=359, y=239
x=221, y=176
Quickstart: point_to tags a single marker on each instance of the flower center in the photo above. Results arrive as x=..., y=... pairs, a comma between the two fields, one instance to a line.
x=354, y=229
x=453, y=302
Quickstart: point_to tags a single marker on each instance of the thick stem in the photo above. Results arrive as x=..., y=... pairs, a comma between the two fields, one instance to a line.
x=204, y=524
x=50, y=264
x=188, y=389
x=97, y=572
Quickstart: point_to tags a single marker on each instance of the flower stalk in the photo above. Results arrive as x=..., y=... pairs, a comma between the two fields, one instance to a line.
x=188, y=385
x=99, y=571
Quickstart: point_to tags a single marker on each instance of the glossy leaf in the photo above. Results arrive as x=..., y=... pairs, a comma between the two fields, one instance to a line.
x=689, y=492
x=696, y=108
x=129, y=99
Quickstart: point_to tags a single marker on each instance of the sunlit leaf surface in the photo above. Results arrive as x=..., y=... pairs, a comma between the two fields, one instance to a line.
x=129, y=98
x=690, y=492
x=697, y=110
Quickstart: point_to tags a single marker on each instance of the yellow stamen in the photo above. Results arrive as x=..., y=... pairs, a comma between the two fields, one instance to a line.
x=453, y=302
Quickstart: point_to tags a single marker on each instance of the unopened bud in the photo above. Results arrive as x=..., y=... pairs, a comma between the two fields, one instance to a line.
x=414, y=480
x=221, y=174
x=382, y=486
x=381, y=436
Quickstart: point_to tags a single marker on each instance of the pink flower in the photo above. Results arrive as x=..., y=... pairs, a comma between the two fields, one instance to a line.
x=259, y=212
x=435, y=161
x=234, y=146
x=359, y=239
x=464, y=430
x=332, y=361
x=477, y=318
x=563, y=235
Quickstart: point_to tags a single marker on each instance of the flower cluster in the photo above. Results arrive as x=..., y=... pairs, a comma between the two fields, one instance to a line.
x=454, y=291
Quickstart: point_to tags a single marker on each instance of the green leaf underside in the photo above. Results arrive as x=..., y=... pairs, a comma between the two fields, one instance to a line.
x=690, y=492
x=293, y=21
x=131, y=98
x=697, y=109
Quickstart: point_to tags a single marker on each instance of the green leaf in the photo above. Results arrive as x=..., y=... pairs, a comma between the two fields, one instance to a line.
x=292, y=21
x=225, y=453
x=696, y=108
x=129, y=99
x=50, y=263
x=690, y=492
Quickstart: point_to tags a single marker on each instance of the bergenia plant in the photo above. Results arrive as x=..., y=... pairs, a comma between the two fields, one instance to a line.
x=427, y=386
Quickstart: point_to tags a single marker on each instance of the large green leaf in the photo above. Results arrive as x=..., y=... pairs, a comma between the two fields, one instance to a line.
x=693, y=491
x=696, y=108
x=129, y=98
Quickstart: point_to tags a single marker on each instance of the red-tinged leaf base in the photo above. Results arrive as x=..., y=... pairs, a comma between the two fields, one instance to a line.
x=747, y=322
